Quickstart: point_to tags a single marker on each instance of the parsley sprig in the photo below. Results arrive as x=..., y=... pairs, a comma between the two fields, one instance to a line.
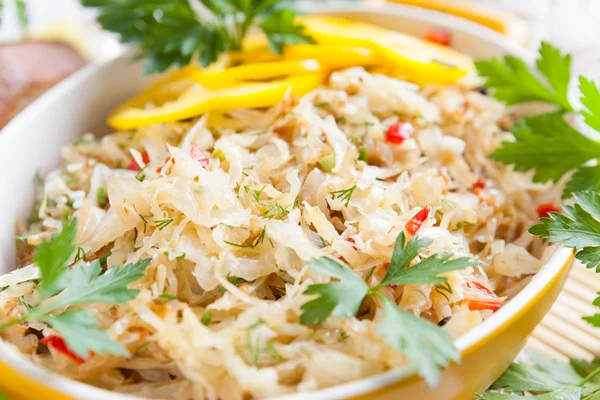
x=550, y=379
x=83, y=284
x=547, y=143
x=513, y=82
x=171, y=33
x=427, y=346
x=577, y=227
x=552, y=147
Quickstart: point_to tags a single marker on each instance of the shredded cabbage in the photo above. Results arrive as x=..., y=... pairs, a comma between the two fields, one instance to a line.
x=229, y=237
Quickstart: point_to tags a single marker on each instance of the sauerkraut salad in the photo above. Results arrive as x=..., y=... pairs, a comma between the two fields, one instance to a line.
x=230, y=209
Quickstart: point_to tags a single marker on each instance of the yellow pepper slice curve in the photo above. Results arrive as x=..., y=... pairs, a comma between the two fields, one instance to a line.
x=254, y=72
x=424, y=61
x=198, y=100
x=334, y=56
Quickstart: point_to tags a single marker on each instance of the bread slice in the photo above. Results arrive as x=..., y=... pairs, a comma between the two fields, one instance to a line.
x=28, y=69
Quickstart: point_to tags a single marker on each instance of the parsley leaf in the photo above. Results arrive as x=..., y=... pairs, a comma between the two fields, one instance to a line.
x=342, y=299
x=172, y=33
x=585, y=178
x=556, y=68
x=520, y=377
x=514, y=83
x=428, y=347
x=578, y=227
x=549, y=145
x=423, y=273
x=584, y=367
x=593, y=320
x=561, y=381
x=568, y=393
x=80, y=331
x=280, y=30
x=84, y=284
x=425, y=344
x=590, y=97
x=52, y=257
x=561, y=371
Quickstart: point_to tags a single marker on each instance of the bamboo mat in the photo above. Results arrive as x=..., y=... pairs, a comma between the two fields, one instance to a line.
x=563, y=334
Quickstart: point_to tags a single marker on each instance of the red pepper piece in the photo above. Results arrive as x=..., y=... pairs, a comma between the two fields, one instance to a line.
x=133, y=165
x=479, y=186
x=197, y=154
x=479, y=286
x=167, y=160
x=484, y=305
x=546, y=208
x=399, y=132
x=414, y=224
x=439, y=36
x=57, y=343
x=351, y=240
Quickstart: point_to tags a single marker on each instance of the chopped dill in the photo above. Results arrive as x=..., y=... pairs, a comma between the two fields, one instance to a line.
x=163, y=223
x=275, y=210
x=167, y=297
x=257, y=193
x=344, y=195
x=444, y=289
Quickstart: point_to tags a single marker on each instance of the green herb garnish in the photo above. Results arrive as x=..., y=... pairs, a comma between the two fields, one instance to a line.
x=167, y=297
x=84, y=284
x=206, y=318
x=247, y=244
x=327, y=163
x=344, y=195
x=514, y=83
x=547, y=144
x=101, y=197
x=162, y=223
x=427, y=346
x=551, y=379
x=362, y=154
x=172, y=33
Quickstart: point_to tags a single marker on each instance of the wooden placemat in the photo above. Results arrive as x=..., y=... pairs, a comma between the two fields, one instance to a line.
x=563, y=334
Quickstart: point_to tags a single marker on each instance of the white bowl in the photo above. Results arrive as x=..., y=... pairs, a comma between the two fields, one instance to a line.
x=33, y=140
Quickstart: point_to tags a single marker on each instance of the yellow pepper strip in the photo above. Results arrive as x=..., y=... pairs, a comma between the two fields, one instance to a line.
x=254, y=72
x=332, y=55
x=425, y=62
x=171, y=87
x=166, y=89
x=198, y=100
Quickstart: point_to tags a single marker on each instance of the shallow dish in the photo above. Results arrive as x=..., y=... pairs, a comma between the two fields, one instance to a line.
x=32, y=142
